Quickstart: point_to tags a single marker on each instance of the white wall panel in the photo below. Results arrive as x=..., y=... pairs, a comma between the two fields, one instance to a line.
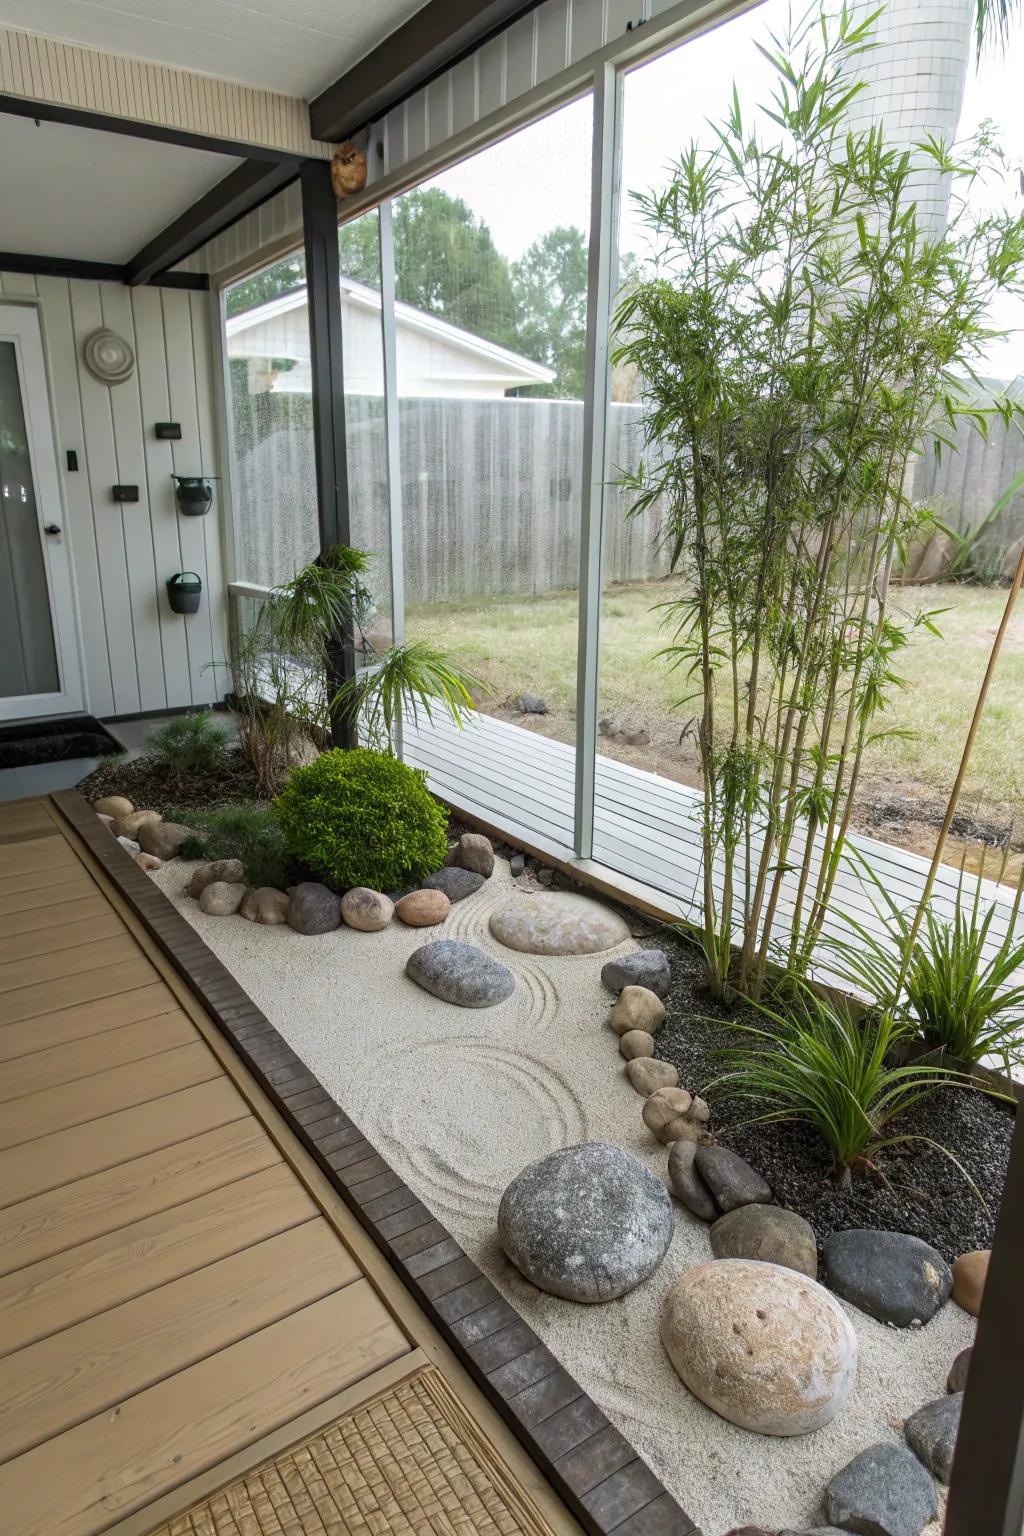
x=137, y=655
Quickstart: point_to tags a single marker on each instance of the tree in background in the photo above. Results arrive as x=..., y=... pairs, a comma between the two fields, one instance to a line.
x=550, y=286
x=283, y=277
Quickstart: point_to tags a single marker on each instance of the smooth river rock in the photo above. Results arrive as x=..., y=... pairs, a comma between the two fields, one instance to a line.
x=473, y=851
x=587, y=1222
x=730, y=1179
x=884, y=1491
x=221, y=898
x=113, y=806
x=128, y=826
x=423, y=909
x=313, y=908
x=687, y=1184
x=456, y=883
x=763, y=1346
x=767, y=1232
x=365, y=910
x=931, y=1433
x=645, y=1073
x=217, y=869
x=637, y=1044
x=898, y=1279
x=638, y=1008
x=460, y=974
x=557, y=923
x=969, y=1275
x=646, y=968
x=164, y=838
x=266, y=904
x=956, y=1381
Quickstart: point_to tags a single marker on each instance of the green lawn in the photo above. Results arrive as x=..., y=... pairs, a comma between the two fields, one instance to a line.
x=530, y=643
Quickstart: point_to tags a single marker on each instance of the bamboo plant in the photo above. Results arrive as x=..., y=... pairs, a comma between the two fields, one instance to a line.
x=798, y=335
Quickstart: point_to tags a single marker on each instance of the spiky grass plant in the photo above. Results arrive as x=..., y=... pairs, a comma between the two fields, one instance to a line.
x=188, y=744
x=962, y=990
x=251, y=833
x=818, y=1063
x=406, y=679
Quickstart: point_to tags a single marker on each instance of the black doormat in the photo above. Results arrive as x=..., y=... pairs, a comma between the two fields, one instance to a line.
x=55, y=741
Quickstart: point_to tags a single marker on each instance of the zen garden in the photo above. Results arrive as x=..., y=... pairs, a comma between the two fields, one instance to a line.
x=740, y=1172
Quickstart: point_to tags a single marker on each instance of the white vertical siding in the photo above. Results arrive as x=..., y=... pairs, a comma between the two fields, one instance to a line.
x=137, y=655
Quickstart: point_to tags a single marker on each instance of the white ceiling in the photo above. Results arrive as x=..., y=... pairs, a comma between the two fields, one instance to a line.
x=294, y=46
x=76, y=192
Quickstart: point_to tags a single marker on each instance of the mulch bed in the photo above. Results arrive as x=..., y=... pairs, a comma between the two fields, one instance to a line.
x=148, y=785
x=917, y=1189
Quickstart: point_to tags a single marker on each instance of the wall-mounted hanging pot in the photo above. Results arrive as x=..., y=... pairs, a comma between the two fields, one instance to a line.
x=193, y=493
x=184, y=591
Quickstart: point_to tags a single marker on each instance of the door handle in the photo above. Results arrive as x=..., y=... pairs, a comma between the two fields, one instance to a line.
x=51, y=529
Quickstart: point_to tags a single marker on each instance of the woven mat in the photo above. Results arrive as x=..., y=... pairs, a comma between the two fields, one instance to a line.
x=410, y=1462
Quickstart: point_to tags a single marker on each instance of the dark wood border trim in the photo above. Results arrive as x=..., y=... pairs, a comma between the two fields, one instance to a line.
x=134, y=128
x=96, y=271
x=604, y=1483
x=434, y=38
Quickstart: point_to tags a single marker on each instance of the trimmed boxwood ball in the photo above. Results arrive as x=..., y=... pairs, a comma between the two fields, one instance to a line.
x=363, y=818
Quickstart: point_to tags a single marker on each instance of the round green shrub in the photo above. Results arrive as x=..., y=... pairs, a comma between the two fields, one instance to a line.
x=362, y=818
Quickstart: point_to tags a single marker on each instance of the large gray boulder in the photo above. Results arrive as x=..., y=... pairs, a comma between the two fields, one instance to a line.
x=884, y=1491
x=763, y=1346
x=587, y=1223
x=931, y=1433
x=460, y=974
x=313, y=908
x=899, y=1279
x=646, y=968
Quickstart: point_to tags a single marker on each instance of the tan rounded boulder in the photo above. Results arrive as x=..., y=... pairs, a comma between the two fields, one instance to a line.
x=221, y=898
x=663, y=1107
x=128, y=826
x=636, y=1044
x=765, y=1347
x=366, y=910
x=638, y=1008
x=422, y=909
x=266, y=904
x=148, y=862
x=969, y=1275
x=648, y=1075
x=163, y=838
x=230, y=870
x=114, y=806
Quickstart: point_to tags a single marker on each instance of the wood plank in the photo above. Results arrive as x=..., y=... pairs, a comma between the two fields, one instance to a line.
x=36, y=853
x=65, y=1217
x=63, y=1289
x=20, y=899
x=36, y=1166
x=46, y=1030
x=33, y=969
x=42, y=1070
x=35, y=879
x=24, y=818
x=70, y=991
x=80, y=1482
x=55, y=916
x=149, y=1081
x=60, y=936
x=57, y=1382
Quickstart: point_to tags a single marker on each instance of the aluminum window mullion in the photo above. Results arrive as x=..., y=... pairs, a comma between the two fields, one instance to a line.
x=396, y=530
x=600, y=270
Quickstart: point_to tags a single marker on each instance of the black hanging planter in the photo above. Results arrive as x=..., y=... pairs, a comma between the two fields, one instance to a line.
x=193, y=493
x=184, y=591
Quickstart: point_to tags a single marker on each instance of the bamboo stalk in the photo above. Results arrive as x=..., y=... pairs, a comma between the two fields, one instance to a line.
x=958, y=784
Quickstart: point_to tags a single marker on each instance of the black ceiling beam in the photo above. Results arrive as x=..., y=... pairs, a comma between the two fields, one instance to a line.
x=94, y=271
x=159, y=133
x=435, y=37
x=242, y=190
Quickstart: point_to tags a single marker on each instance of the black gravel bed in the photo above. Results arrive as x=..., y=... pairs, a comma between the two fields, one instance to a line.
x=917, y=1189
x=146, y=782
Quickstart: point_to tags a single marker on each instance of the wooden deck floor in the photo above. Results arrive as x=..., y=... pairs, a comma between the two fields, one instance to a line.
x=179, y=1295
x=646, y=828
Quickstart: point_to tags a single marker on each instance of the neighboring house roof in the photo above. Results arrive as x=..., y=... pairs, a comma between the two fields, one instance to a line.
x=497, y=365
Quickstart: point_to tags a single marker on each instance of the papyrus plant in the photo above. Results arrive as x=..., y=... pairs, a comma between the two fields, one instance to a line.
x=798, y=335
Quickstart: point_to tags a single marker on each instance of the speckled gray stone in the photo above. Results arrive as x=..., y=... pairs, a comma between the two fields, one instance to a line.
x=313, y=908
x=899, y=1279
x=884, y=1491
x=587, y=1222
x=931, y=1433
x=687, y=1184
x=460, y=973
x=956, y=1381
x=769, y=1233
x=646, y=968
x=456, y=883
x=730, y=1179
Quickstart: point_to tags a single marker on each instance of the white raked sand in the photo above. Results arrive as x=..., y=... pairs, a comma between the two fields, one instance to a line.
x=458, y=1100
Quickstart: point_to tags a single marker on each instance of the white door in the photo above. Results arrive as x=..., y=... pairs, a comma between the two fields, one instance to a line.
x=40, y=670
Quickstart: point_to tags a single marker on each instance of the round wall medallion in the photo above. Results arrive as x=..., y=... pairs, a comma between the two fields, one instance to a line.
x=108, y=357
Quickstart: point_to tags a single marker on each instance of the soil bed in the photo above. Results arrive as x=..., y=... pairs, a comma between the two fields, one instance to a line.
x=916, y=1189
x=149, y=786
